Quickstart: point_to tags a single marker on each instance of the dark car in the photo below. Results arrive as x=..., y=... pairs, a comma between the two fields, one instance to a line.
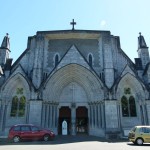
x=29, y=132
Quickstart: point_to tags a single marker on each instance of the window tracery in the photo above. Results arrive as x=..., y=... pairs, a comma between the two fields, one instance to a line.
x=128, y=104
x=18, y=104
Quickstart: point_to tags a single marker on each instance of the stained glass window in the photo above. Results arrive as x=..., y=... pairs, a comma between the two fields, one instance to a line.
x=124, y=104
x=132, y=106
x=22, y=103
x=128, y=106
x=18, y=105
x=14, y=106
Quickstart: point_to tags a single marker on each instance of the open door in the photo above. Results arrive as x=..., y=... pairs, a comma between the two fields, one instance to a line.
x=82, y=120
x=64, y=114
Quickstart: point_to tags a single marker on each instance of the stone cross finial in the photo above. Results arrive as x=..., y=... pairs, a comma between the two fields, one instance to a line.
x=73, y=23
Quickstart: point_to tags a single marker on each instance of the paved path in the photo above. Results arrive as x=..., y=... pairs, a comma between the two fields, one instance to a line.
x=74, y=143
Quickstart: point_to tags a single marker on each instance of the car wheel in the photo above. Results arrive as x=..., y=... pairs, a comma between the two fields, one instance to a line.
x=46, y=137
x=16, y=139
x=139, y=141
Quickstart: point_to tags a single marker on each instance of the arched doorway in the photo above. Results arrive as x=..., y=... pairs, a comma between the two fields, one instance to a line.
x=64, y=114
x=82, y=120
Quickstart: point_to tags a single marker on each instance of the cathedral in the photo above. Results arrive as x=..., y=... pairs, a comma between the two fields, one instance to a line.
x=80, y=76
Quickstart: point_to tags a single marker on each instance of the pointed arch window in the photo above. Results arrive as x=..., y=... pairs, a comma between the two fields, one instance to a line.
x=90, y=60
x=21, y=110
x=128, y=106
x=18, y=104
x=56, y=60
x=132, y=106
x=124, y=104
x=14, y=106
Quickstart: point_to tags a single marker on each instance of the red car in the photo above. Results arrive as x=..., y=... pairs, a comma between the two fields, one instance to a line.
x=29, y=132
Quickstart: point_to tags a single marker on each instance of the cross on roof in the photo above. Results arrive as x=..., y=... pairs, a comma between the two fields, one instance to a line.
x=73, y=23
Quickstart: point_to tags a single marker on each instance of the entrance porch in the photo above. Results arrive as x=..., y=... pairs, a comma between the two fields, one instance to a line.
x=76, y=118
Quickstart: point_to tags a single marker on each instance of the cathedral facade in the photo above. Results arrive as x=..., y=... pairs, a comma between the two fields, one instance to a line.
x=80, y=76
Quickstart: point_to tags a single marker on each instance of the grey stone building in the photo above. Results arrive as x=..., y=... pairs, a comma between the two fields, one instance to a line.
x=81, y=76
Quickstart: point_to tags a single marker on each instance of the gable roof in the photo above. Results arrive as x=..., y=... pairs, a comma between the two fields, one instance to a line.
x=78, y=58
x=20, y=57
x=19, y=69
x=73, y=55
x=128, y=70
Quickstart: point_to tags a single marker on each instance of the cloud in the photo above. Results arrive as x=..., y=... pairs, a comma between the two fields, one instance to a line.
x=103, y=23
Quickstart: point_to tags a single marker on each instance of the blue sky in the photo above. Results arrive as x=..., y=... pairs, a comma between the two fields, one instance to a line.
x=124, y=18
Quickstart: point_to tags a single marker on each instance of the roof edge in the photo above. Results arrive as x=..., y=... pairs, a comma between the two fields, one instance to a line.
x=74, y=31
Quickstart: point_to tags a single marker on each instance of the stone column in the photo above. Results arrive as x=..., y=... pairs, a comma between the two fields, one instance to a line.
x=102, y=115
x=146, y=115
x=27, y=113
x=99, y=116
x=92, y=117
x=148, y=110
x=0, y=105
x=5, y=112
x=43, y=114
x=95, y=109
x=56, y=117
x=73, y=120
x=1, y=114
x=119, y=115
x=47, y=115
x=2, y=118
x=51, y=115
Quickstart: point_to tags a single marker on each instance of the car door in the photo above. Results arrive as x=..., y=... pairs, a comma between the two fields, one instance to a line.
x=145, y=134
x=36, y=134
x=25, y=132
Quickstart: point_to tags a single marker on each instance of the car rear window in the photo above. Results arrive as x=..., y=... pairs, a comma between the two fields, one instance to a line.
x=17, y=128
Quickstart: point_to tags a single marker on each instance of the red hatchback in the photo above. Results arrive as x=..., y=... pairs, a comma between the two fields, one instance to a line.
x=29, y=132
